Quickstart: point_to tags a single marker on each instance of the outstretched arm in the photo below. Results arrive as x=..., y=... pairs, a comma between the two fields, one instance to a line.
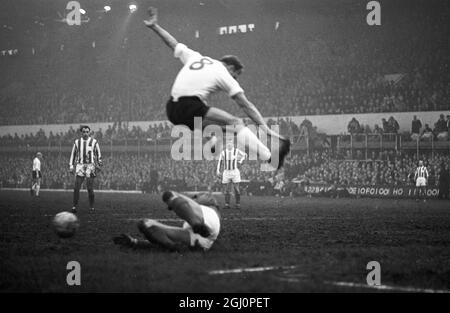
x=72, y=156
x=152, y=23
x=243, y=155
x=252, y=112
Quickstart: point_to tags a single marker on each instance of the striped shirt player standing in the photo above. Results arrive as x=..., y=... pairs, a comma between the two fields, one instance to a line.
x=231, y=176
x=36, y=175
x=83, y=162
x=421, y=178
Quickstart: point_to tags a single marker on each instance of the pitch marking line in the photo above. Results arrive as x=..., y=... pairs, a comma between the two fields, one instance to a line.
x=334, y=283
x=385, y=287
x=249, y=269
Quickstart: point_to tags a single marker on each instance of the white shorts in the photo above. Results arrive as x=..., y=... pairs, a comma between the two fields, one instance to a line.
x=85, y=170
x=421, y=181
x=212, y=221
x=231, y=176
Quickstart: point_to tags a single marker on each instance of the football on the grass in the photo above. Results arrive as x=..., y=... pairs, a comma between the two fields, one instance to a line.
x=65, y=224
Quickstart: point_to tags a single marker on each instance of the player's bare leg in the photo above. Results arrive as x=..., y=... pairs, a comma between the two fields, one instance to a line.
x=213, y=140
x=237, y=195
x=76, y=192
x=156, y=233
x=424, y=193
x=227, y=193
x=169, y=237
x=184, y=207
x=419, y=193
x=33, y=188
x=244, y=135
x=90, y=189
x=38, y=186
x=166, y=236
x=188, y=210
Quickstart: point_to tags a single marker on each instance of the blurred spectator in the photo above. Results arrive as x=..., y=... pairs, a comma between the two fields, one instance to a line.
x=440, y=128
x=354, y=127
x=427, y=133
x=377, y=129
x=444, y=181
x=416, y=125
x=385, y=124
x=393, y=125
x=306, y=127
x=343, y=70
x=154, y=180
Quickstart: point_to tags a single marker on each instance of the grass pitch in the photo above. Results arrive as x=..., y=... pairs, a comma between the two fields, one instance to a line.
x=271, y=245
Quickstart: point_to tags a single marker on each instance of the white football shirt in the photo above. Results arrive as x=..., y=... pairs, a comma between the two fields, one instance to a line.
x=201, y=76
x=36, y=164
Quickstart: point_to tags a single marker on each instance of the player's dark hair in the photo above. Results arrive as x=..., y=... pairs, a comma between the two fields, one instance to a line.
x=83, y=127
x=232, y=60
x=167, y=195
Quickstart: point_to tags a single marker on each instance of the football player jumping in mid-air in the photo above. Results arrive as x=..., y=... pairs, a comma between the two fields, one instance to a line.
x=202, y=75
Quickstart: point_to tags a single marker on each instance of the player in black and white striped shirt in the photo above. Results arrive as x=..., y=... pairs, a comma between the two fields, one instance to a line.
x=421, y=178
x=231, y=176
x=84, y=159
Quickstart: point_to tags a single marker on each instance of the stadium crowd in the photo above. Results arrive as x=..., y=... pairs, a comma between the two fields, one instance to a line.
x=332, y=66
x=148, y=170
x=389, y=168
x=338, y=67
x=121, y=133
x=391, y=126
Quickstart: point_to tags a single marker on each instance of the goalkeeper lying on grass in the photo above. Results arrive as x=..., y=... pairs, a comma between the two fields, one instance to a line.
x=200, y=228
